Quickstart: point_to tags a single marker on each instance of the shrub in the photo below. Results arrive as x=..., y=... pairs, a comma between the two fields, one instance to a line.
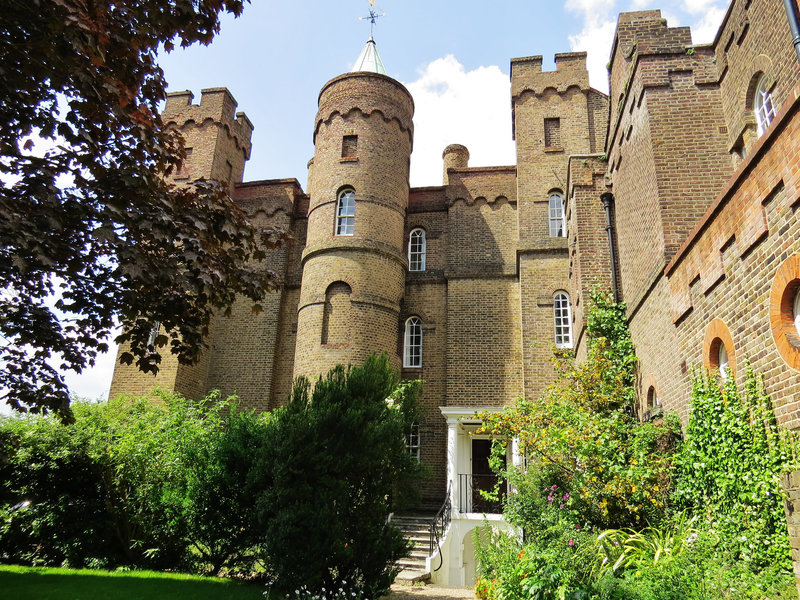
x=331, y=463
x=583, y=437
x=130, y=482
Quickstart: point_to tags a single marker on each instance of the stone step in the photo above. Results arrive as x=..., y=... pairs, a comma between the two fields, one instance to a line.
x=415, y=528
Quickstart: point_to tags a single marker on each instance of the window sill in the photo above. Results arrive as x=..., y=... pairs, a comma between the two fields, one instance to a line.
x=348, y=159
x=553, y=149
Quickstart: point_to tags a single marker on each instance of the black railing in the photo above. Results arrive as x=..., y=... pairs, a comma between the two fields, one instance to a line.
x=472, y=489
x=438, y=526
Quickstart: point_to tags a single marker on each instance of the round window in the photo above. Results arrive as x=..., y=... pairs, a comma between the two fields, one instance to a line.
x=784, y=310
x=796, y=310
x=723, y=362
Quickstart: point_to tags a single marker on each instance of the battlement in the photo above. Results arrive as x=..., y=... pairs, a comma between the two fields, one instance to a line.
x=648, y=32
x=527, y=74
x=216, y=104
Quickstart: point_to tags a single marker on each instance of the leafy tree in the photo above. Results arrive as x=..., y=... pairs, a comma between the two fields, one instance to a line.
x=587, y=452
x=91, y=232
x=333, y=460
x=223, y=482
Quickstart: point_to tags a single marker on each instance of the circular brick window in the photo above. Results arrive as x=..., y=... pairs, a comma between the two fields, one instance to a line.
x=784, y=311
x=718, y=351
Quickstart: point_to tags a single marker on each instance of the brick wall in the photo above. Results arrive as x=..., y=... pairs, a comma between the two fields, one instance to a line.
x=754, y=39
x=589, y=254
x=372, y=261
x=727, y=268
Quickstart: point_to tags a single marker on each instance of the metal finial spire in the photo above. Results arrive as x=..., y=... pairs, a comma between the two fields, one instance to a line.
x=374, y=15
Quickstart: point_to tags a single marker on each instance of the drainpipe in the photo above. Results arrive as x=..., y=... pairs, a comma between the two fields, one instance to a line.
x=791, y=14
x=607, y=198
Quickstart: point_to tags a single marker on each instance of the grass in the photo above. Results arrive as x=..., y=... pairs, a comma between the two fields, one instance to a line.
x=23, y=583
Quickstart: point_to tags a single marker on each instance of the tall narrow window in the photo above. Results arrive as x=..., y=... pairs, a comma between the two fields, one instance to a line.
x=562, y=316
x=153, y=337
x=763, y=106
x=412, y=347
x=416, y=250
x=552, y=133
x=412, y=441
x=346, y=213
x=557, y=228
x=652, y=401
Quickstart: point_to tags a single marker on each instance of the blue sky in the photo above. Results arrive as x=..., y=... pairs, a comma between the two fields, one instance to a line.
x=453, y=56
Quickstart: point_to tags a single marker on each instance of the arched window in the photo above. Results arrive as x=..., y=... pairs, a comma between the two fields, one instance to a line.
x=152, y=338
x=412, y=346
x=412, y=441
x=763, y=105
x=346, y=212
x=562, y=315
x=652, y=400
x=416, y=250
x=557, y=227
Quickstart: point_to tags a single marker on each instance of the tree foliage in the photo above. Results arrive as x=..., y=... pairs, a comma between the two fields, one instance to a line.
x=335, y=460
x=168, y=483
x=91, y=232
x=583, y=440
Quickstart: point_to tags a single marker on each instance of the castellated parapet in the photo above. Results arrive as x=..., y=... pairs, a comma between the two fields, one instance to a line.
x=353, y=282
x=217, y=138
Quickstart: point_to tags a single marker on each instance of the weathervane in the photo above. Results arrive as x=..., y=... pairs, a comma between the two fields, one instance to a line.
x=373, y=15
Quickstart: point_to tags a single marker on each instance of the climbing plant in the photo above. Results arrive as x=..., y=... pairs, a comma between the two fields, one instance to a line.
x=729, y=468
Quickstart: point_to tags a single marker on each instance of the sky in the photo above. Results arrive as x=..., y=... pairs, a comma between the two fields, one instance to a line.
x=452, y=56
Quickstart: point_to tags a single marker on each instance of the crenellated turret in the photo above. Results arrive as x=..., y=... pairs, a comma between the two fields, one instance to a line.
x=354, y=264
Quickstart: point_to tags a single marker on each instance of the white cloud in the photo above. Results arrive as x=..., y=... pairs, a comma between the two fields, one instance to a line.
x=704, y=30
x=455, y=106
x=94, y=382
x=696, y=7
x=596, y=39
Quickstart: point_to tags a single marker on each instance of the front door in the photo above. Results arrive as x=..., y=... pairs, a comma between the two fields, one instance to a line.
x=484, y=479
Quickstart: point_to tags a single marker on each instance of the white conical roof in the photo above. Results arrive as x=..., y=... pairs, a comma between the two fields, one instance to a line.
x=369, y=59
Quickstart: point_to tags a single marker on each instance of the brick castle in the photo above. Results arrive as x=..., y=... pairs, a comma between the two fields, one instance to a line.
x=690, y=167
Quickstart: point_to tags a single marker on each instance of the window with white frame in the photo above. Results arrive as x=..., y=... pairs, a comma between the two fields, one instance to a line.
x=152, y=338
x=763, y=106
x=796, y=311
x=346, y=212
x=416, y=250
x=412, y=346
x=562, y=315
x=557, y=227
x=723, y=361
x=412, y=441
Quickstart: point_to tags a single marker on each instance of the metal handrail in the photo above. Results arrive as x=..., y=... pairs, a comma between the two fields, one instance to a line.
x=439, y=525
x=470, y=485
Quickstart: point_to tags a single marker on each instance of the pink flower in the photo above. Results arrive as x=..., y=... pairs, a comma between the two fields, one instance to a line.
x=571, y=542
x=566, y=496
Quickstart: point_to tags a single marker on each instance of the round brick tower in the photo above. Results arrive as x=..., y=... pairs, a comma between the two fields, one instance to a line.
x=354, y=263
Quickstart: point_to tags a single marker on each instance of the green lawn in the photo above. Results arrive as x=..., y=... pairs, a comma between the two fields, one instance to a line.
x=23, y=583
